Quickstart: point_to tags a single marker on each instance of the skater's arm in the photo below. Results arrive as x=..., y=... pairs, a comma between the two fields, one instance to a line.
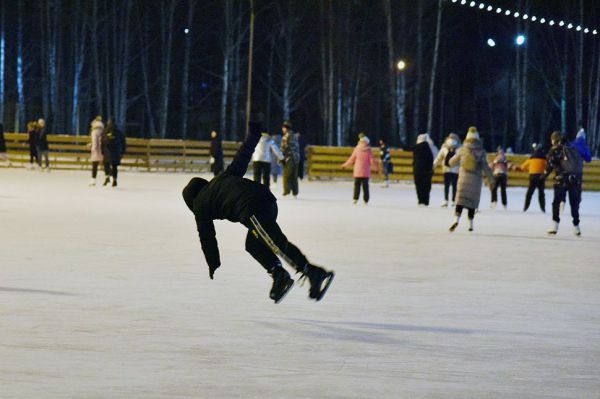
x=276, y=150
x=208, y=240
x=441, y=155
x=350, y=160
x=239, y=166
x=455, y=160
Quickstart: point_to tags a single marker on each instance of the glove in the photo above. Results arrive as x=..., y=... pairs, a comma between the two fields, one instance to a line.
x=211, y=271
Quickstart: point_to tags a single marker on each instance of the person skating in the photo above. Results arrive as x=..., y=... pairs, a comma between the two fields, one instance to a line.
x=217, y=163
x=567, y=164
x=291, y=159
x=42, y=144
x=113, y=148
x=500, y=166
x=362, y=161
x=446, y=153
x=96, y=139
x=264, y=153
x=386, y=162
x=32, y=140
x=473, y=163
x=423, y=155
x=275, y=163
x=3, y=154
x=232, y=197
x=536, y=166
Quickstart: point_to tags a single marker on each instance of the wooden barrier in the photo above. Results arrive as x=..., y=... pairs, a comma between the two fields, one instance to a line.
x=324, y=163
x=73, y=152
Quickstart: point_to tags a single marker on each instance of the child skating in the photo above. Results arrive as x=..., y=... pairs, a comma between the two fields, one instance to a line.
x=500, y=167
x=536, y=166
x=473, y=162
x=362, y=161
x=232, y=197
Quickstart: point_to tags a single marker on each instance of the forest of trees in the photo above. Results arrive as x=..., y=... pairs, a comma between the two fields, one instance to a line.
x=179, y=68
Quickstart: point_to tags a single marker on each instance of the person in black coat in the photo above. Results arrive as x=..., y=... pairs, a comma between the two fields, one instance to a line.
x=113, y=148
x=232, y=197
x=3, y=154
x=216, y=153
x=42, y=143
x=32, y=140
x=423, y=168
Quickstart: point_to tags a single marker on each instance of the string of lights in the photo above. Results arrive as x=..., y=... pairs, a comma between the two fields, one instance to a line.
x=533, y=18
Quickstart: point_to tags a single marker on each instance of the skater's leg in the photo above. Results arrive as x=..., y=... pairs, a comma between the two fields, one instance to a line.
x=294, y=176
x=530, y=190
x=115, y=170
x=447, y=182
x=503, y=180
x=541, y=192
x=365, y=184
x=458, y=210
x=454, y=184
x=286, y=177
x=266, y=173
x=419, y=188
x=265, y=225
x=457, y=213
x=256, y=170
x=471, y=213
x=575, y=200
x=559, y=195
x=259, y=251
x=94, y=169
x=495, y=190
x=356, y=193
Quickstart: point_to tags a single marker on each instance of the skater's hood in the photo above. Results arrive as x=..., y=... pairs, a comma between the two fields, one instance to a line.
x=191, y=191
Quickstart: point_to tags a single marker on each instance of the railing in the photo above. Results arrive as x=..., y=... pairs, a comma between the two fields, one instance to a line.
x=73, y=152
x=325, y=162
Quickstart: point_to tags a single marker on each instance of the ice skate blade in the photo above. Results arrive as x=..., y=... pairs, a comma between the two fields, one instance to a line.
x=328, y=280
x=453, y=227
x=284, y=293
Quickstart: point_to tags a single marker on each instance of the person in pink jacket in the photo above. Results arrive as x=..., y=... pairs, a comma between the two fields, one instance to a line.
x=363, y=160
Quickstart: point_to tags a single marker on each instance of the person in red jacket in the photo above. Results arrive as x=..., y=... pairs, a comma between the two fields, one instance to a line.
x=363, y=161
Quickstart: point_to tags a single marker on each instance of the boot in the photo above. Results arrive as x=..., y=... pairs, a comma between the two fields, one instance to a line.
x=554, y=229
x=493, y=205
x=106, y=181
x=454, y=224
x=445, y=204
x=282, y=283
x=319, y=279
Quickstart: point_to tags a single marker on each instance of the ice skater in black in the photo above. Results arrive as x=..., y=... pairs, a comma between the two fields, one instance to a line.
x=239, y=200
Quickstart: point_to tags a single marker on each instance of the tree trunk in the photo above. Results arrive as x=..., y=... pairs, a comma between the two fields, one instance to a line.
x=2, y=61
x=166, y=23
x=20, y=120
x=250, y=57
x=436, y=48
x=419, y=64
x=392, y=70
x=185, y=101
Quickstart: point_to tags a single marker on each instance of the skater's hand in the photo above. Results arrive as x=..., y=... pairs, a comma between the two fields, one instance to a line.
x=211, y=271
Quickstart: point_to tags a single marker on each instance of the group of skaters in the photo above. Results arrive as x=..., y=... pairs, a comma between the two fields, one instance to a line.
x=465, y=167
x=107, y=146
x=272, y=156
x=37, y=138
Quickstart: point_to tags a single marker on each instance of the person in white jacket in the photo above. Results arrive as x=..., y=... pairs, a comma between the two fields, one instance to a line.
x=266, y=151
x=448, y=150
x=96, y=138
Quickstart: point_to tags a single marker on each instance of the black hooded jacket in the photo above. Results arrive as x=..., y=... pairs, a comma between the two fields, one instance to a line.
x=227, y=196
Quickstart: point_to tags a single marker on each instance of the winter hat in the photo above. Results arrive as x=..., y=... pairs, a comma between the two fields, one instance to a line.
x=454, y=136
x=555, y=137
x=191, y=191
x=580, y=134
x=287, y=124
x=364, y=138
x=423, y=138
x=472, y=133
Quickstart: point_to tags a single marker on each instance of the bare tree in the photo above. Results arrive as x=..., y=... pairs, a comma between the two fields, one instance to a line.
x=78, y=38
x=2, y=61
x=185, y=100
x=436, y=48
x=387, y=6
x=167, y=12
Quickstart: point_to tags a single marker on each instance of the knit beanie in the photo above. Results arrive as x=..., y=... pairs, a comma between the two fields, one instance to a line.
x=364, y=138
x=472, y=133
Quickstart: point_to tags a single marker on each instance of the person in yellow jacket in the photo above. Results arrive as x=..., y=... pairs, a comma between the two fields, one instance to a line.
x=535, y=165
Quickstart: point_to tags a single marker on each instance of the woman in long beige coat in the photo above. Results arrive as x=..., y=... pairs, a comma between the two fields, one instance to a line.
x=473, y=163
x=96, y=137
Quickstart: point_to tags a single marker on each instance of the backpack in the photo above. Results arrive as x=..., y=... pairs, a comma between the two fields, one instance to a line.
x=449, y=156
x=570, y=160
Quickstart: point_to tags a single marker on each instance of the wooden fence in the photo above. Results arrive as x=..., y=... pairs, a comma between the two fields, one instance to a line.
x=73, y=152
x=324, y=163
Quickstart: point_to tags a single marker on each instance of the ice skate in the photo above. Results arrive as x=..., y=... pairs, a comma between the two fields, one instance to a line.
x=554, y=229
x=445, y=204
x=452, y=204
x=282, y=283
x=106, y=181
x=319, y=279
x=470, y=224
x=92, y=182
x=493, y=205
x=577, y=231
x=114, y=183
x=354, y=202
x=454, y=224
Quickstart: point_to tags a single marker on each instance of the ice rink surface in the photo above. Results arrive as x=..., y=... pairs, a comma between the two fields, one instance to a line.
x=104, y=293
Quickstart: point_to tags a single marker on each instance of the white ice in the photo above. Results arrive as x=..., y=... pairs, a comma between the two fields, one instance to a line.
x=105, y=293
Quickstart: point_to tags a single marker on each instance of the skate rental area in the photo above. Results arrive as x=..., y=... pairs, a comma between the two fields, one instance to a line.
x=105, y=293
